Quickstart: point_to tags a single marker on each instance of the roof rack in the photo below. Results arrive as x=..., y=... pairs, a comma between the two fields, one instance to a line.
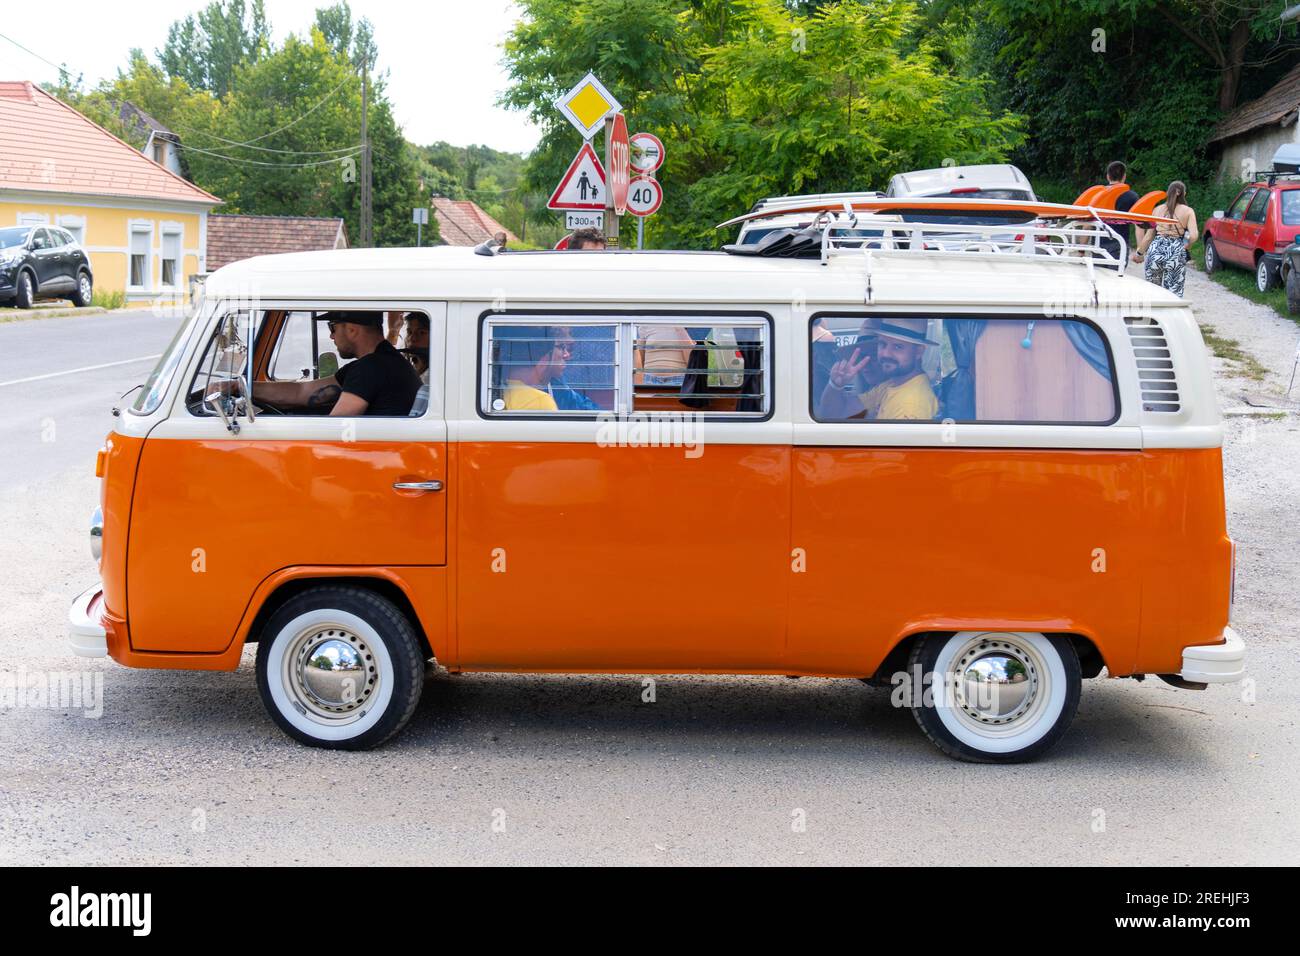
x=1080, y=240
x=1088, y=243
x=1273, y=175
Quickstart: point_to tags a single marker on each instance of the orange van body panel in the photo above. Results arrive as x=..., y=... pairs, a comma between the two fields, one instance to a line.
x=115, y=495
x=214, y=519
x=576, y=557
x=747, y=559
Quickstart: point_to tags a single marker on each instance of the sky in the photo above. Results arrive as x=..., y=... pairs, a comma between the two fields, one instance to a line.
x=443, y=57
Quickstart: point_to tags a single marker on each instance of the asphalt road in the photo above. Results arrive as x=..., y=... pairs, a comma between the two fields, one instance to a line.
x=185, y=767
x=59, y=379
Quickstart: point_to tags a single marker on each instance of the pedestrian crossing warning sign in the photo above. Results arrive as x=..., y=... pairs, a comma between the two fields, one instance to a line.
x=583, y=185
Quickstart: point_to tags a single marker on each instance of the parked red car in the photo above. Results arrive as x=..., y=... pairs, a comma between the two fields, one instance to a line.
x=1257, y=228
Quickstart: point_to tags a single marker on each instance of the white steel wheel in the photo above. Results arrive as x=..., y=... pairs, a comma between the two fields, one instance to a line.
x=339, y=667
x=1263, y=276
x=996, y=697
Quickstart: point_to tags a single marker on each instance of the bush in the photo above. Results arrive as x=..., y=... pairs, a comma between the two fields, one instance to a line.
x=108, y=300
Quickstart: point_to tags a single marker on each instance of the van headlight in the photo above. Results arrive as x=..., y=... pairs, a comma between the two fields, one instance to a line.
x=97, y=533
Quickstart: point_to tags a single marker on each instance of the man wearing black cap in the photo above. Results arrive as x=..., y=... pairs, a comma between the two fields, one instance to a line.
x=379, y=382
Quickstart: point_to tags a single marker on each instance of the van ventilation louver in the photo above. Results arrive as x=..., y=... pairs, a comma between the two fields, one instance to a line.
x=1155, y=365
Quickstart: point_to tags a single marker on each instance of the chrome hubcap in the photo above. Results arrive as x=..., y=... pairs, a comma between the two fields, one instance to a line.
x=85, y=288
x=331, y=673
x=997, y=682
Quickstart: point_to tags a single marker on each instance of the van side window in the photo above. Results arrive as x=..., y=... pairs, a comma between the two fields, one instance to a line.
x=301, y=367
x=1021, y=370
x=716, y=368
x=560, y=366
x=579, y=366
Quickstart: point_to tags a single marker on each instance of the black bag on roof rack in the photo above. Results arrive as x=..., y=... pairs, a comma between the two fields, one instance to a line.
x=782, y=244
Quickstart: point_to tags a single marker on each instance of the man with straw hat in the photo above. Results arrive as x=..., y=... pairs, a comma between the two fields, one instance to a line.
x=904, y=394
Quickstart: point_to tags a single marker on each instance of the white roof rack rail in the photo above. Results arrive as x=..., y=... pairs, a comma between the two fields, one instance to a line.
x=1079, y=241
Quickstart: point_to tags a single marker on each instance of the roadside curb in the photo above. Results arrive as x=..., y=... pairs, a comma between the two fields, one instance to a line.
x=25, y=315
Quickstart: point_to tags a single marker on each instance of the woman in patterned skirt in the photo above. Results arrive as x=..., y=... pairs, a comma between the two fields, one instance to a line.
x=1164, y=250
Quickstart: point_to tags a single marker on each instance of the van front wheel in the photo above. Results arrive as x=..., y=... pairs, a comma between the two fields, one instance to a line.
x=339, y=667
x=994, y=697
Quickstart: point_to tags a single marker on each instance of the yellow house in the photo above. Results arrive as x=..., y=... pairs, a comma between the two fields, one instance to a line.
x=143, y=227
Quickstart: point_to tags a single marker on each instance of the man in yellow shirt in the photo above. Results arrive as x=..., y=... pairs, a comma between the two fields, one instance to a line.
x=905, y=394
x=533, y=365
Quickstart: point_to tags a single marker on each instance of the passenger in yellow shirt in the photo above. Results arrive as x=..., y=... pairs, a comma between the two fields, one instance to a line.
x=532, y=364
x=904, y=394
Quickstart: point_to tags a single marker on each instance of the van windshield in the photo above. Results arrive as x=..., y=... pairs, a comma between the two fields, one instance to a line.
x=155, y=386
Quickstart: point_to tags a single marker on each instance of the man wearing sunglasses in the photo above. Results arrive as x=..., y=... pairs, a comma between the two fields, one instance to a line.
x=380, y=382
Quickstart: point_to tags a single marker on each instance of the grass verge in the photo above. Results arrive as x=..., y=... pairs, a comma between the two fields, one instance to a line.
x=1231, y=350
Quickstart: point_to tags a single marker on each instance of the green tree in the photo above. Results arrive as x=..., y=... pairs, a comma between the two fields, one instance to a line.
x=753, y=98
x=310, y=96
x=207, y=48
x=346, y=37
x=1118, y=79
x=1221, y=32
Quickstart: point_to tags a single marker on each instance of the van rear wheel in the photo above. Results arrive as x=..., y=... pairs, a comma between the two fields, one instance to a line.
x=339, y=667
x=995, y=697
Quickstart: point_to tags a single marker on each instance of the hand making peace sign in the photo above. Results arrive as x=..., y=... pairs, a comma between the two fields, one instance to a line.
x=845, y=371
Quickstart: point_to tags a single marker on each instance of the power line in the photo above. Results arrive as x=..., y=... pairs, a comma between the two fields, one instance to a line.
x=268, y=149
x=253, y=162
x=351, y=150
x=61, y=67
x=321, y=102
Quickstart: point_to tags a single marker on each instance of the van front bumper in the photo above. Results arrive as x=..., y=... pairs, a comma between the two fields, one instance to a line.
x=1215, y=663
x=85, y=632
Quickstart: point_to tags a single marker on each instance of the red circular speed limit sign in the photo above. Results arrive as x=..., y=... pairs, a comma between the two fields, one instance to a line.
x=644, y=195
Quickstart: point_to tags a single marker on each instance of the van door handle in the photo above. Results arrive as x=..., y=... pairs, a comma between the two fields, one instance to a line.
x=418, y=485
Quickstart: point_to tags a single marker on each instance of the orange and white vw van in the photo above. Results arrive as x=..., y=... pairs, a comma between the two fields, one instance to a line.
x=972, y=477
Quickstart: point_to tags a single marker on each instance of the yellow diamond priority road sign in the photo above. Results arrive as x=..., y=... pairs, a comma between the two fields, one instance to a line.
x=587, y=105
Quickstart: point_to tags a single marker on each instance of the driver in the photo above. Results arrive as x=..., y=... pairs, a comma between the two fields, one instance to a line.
x=379, y=382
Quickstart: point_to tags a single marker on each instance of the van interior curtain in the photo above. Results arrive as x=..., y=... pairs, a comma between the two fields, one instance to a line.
x=959, y=387
x=1088, y=343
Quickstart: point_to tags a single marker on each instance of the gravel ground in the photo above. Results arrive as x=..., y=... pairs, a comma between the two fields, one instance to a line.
x=185, y=767
x=1261, y=459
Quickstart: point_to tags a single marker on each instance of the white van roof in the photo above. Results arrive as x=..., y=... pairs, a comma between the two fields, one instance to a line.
x=684, y=278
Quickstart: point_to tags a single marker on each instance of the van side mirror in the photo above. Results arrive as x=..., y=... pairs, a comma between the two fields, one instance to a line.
x=1218, y=214
x=327, y=365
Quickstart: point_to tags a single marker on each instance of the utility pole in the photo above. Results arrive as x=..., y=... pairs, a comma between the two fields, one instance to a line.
x=367, y=220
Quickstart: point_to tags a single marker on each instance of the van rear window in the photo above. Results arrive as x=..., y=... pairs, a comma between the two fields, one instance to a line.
x=1012, y=369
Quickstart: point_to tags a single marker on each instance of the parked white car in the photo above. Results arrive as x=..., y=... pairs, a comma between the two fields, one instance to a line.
x=990, y=181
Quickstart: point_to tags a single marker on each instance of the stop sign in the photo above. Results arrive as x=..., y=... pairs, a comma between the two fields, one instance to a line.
x=618, y=151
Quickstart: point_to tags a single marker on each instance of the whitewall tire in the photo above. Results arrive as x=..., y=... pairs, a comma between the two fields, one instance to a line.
x=995, y=697
x=339, y=667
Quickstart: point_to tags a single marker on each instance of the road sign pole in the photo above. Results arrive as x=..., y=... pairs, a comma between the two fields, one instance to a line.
x=419, y=229
x=640, y=231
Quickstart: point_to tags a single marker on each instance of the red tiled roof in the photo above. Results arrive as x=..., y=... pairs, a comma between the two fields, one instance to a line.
x=463, y=223
x=231, y=238
x=1271, y=109
x=47, y=146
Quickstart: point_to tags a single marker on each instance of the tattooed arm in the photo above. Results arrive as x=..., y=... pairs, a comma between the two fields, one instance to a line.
x=315, y=396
